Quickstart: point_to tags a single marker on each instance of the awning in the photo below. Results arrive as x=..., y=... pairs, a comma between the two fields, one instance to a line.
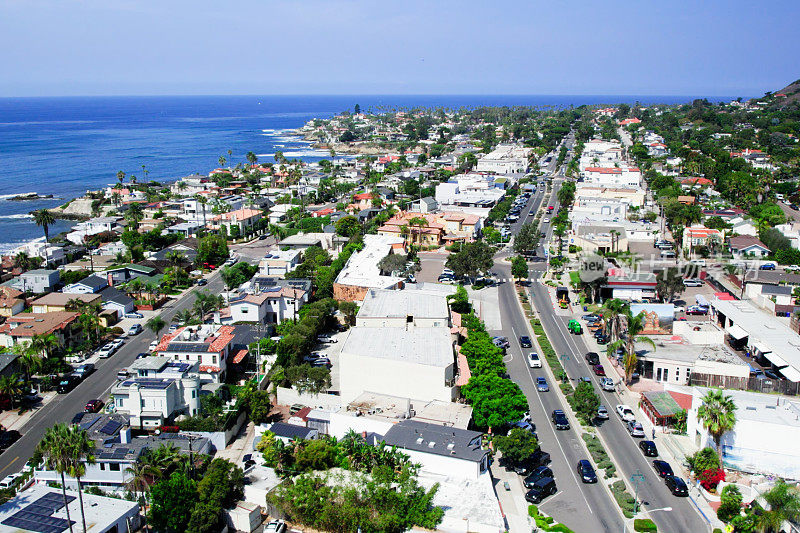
x=775, y=360
x=736, y=332
x=790, y=373
x=761, y=347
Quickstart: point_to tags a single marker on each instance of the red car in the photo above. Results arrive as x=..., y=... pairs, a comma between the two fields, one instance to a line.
x=93, y=406
x=599, y=370
x=549, y=207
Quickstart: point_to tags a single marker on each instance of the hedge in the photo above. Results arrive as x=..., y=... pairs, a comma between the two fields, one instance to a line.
x=546, y=523
x=625, y=501
x=644, y=525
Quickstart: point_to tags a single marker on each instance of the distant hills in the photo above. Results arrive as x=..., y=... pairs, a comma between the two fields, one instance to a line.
x=792, y=92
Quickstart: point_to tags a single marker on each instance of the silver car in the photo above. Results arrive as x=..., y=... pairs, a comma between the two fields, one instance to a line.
x=635, y=429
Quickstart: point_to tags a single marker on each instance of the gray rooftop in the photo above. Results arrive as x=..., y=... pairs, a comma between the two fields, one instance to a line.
x=150, y=363
x=391, y=303
x=440, y=440
x=422, y=346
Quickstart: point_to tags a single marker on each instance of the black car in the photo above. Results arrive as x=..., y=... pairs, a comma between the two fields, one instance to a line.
x=527, y=467
x=525, y=341
x=662, y=468
x=648, y=448
x=676, y=486
x=536, y=475
x=67, y=383
x=560, y=420
x=201, y=282
x=541, y=489
x=586, y=471
x=8, y=438
x=592, y=358
x=601, y=339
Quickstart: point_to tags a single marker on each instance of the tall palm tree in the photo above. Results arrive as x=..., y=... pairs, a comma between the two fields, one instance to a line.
x=120, y=176
x=615, y=311
x=44, y=219
x=9, y=385
x=156, y=324
x=251, y=157
x=633, y=326
x=80, y=450
x=134, y=215
x=202, y=200
x=116, y=198
x=718, y=414
x=222, y=161
x=142, y=476
x=22, y=261
x=31, y=362
x=53, y=450
x=784, y=505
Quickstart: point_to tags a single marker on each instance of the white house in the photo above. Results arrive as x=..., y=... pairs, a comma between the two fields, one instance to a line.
x=93, y=226
x=279, y=262
x=505, y=159
x=37, y=281
x=88, y=285
x=206, y=345
x=747, y=246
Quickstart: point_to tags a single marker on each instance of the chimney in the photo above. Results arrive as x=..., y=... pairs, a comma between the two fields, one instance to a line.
x=125, y=435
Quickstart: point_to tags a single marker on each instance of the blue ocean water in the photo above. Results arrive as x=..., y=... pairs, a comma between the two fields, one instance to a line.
x=66, y=146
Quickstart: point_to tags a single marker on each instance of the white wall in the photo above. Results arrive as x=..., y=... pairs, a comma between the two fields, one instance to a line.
x=447, y=466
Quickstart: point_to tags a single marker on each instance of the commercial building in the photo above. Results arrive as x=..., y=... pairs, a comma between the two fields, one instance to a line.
x=406, y=308
x=361, y=271
x=505, y=159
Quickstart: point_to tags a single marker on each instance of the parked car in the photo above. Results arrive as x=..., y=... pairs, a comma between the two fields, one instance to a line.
x=82, y=371
x=534, y=361
x=93, y=406
x=667, y=253
x=607, y=384
x=153, y=345
x=322, y=361
x=767, y=266
x=135, y=330
x=8, y=438
x=501, y=342
x=106, y=351
x=625, y=412
x=541, y=384
x=602, y=412
x=676, y=485
x=172, y=328
x=67, y=383
x=9, y=481
x=663, y=469
x=276, y=526
x=525, y=341
x=536, y=475
x=540, y=490
x=635, y=429
x=593, y=358
x=202, y=282
x=599, y=370
x=601, y=339
x=693, y=282
x=648, y=448
x=560, y=420
x=697, y=310
x=586, y=471
x=118, y=342
x=327, y=339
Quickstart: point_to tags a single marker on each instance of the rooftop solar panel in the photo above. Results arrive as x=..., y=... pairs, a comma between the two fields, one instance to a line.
x=111, y=427
x=38, y=515
x=86, y=424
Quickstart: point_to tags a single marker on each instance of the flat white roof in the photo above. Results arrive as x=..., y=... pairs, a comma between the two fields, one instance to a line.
x=362, y=268
x=388, y=303
x=766, y=408
x=765, y=332
x=422, y=346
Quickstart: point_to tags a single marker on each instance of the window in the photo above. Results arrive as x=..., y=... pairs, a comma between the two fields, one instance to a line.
x=666, y=374
x=102, y=466
x=213, y=359
x=409, y=319
x=245, y=310
x=114, y=467
x=194, y=394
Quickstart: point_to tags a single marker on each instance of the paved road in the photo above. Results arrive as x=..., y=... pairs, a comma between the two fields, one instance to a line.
x=64, y=406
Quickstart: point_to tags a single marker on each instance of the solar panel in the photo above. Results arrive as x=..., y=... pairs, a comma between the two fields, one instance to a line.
x=86, y=424
x=38, y=515
x=111, y=427
x=122, y=451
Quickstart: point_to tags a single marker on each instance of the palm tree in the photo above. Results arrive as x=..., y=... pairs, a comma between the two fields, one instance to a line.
x=22, y=261
x=418, y=222
x=614, y=314
x=120, y=176
x=44, y=219
x=784, y=505
x=633, y=325
x=142, y=476
x=53, y=450
x=31, y=362
x=9, y=385
x=80, y=450
x=184, y=318
x=116, y=198
x=718, y=414
x=134, y=215
x=251, y=158
x=222, y=161
x=202, y=200
x=156, y=324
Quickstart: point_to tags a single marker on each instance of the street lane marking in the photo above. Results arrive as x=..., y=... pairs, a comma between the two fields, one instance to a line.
x=9, y=464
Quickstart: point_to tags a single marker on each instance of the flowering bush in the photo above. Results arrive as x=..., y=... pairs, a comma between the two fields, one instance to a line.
x=710, y=478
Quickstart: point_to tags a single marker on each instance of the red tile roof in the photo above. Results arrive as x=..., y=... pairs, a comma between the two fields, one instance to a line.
x=239, y=357
x=210, y=369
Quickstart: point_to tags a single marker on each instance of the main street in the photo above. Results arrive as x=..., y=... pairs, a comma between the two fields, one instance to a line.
x=64, y=406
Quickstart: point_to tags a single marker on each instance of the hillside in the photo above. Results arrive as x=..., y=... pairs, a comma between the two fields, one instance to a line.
x=792, y=92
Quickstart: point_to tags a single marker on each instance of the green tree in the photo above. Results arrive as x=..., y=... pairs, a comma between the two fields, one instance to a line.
x=79, y=453
x=783, y=502
x=459, y=302
x=519, y=267
x=251, y=157
x=585, y=402
x=633, y=325
x=44, y=219
x=495, y=401
x=518, y=445
x=473, y=258
x=212, y=249
x=174, y=499
x=718, y=414
x=54, y=452
x=156, y=324
x=10, y=386
x=730, y=503
x=669, y=283
x=704, y=459
x=527, y=239
x=318, y=454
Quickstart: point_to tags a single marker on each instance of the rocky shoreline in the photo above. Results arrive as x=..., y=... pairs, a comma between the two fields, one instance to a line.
x=29, y=196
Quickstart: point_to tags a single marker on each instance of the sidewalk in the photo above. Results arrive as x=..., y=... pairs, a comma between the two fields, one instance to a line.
x=512, y=501
x=13, y=420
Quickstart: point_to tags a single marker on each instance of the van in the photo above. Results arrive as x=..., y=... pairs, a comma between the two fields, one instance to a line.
x=8, y=481
x=667, y=253
x=68, y=383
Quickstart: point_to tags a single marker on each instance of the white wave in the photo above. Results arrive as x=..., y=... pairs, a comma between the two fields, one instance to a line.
x=16, y=217
x=7, y=196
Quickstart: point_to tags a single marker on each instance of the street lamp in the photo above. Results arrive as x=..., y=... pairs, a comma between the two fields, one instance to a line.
x=636, y=478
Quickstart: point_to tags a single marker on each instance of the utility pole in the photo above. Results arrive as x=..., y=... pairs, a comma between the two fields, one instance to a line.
x=636, y=478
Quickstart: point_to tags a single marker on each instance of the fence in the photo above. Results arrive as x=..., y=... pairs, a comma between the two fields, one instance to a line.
x=752, y=384
x=288, y=396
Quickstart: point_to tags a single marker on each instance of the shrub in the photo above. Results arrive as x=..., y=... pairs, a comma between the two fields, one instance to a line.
x=710, y=478
x=730, y=503
x=644, y=524
x=625, y=501
x=705, y=459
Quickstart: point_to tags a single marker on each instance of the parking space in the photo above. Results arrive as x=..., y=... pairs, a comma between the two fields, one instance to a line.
x=431, y=266
x=331, y=350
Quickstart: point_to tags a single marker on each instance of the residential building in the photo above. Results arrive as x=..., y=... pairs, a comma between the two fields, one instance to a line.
x=118, y=301
x=159, y=390
x=470, y=190
x=88, y=285
x=12, y=301
x=266, y=301
x=59, y=301
x=207, y=345
x=93, y=226
x=700, y=236
x=630, y=286
x=244, y=220
x=407, y=308
x=20, y=328
x=52, y=254
x=124, y=273
x=747, y=246
x=505, y=159
x=440, y=450
x=438, y=229
x=613, y=176
x=38, y=281
x=279, y=262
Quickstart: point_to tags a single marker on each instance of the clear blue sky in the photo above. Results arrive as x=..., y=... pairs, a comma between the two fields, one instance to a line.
x=660, y=47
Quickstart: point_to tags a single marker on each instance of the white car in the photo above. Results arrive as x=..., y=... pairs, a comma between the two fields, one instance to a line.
x=276, y=526
x=545, y=220
x=153, y=345
x=534, y=361
x=693, y=282
x=327, y=339
x=106, y=351
x=625, y=413
x=8, y=481
x=792, y=268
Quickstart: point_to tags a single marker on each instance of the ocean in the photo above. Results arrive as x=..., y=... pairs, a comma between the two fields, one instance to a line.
x=66, y=146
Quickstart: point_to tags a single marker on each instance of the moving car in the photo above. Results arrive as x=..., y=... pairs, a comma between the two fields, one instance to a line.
x=663, y=469
x=625, y=412
x=648, y=448
x=607, y=384
x=93, y=406
x=560, y=420
x=134, y=330
x=573, y=326
x=525, y=341
x=8, y=438
x=586, y=471
x=599, y=370
x=534, y=361
x=501, y=342
x=536, y=475
x=540, y=490
x=541, y=384
x=593, y=358
x=602, y=412
x=635, y=429
x=676, y=485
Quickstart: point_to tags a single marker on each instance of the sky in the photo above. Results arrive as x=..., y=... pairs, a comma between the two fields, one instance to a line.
x=159, y=47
